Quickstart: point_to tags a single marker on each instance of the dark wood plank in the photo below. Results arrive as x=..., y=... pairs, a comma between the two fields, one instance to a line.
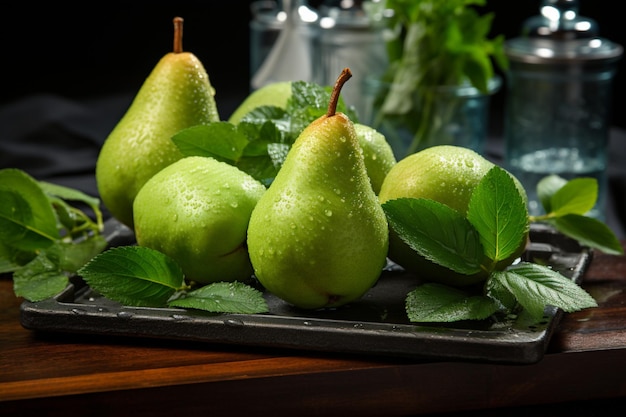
x=586, y=360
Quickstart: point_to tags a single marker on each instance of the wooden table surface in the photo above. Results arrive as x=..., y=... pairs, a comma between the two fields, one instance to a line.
x=64, y=375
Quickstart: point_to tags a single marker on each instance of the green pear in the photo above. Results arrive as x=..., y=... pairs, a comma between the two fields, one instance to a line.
x=318, y=237
x=177, y=94
x=447, y=174
x=377, y=153
x=273, y=94
x=197, y=210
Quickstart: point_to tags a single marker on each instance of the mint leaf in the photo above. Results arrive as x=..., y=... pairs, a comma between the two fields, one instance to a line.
x=437, y=232
x=71, y=256
x=576, y=196
x=566, y=203
x=277, y=153
x=439, y=303
x=219, y=140
x=260, y=168
x=42, y=237
x=259, y=143
x=71, y=194
x=547, y=187
x=134, y=275
x=39, y=279
x=588, y=232
x=499, y=293
x=12, y=259
x=261, y=117
x=224, y=297
x=499, y=214
x=309, y=101
x=536, y=286
x=27, y=220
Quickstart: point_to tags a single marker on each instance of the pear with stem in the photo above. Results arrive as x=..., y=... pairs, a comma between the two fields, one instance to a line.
x=176, y=95
x=318, y=237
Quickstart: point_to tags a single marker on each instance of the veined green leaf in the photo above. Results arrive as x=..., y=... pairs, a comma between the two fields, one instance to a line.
x=436, y=232
x=74, y=255
x=27, y=220
x=259, y=142
x=536, y=286
x=588, y=232
x=261, y=168
x=547, y=187
x=433, y=302
x=308, y=102
x=224, y=297
x=499, y=293
x=134, y=275
x=577, y=196
x=41, y=278
x=12, y=259
x=277, y=153
x=64, y=212
x=71, y=194
x=499, y=214
x=219, y=140
x=255, y=120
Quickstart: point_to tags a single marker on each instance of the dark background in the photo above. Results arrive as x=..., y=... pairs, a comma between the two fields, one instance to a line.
x=99, y=49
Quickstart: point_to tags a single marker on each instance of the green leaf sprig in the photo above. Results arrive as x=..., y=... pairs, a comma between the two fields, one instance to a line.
x=45, y=235
x=434, y=44
x=259, y=143
x=497, y=222
x=566, y=203
x=143, y=277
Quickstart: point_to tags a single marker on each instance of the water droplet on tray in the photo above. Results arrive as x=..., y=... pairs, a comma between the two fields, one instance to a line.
x=234, y=322
x=124, y=314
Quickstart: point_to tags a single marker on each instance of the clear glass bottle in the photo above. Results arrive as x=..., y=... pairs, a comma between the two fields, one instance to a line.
x=558, y=103
x=267, y=21
x=281, y=38
x=350, y=34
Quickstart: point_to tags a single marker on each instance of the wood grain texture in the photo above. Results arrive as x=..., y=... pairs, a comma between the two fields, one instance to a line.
x=68, y=374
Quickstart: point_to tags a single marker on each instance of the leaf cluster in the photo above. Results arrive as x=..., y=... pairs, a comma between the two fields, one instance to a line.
x=484, y=240
x=441, y=43
x=566, y=203
x=143, y=277
x=259, y=143
x=45, y=233
x=433, y=44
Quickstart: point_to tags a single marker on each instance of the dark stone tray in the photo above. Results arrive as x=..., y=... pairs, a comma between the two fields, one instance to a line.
x=375, y=325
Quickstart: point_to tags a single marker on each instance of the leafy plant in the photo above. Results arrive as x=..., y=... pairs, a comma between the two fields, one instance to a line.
x=45, y=235
x=490, y=232
x=566, y=203
x=436, y=46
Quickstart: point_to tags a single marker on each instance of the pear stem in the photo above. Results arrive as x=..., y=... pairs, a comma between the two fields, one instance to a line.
x=345, y=75
x=178, y=35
